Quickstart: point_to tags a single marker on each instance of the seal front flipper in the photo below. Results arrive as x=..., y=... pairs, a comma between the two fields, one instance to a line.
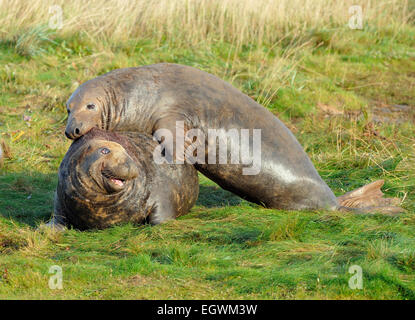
x=57, y=222
x=169, y=198
x=162, y=212
x=175, y=190
x=170, y=131
x=369, y=199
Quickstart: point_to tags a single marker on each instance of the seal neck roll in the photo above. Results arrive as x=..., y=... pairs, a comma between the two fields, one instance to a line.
x=113, y=107
x=108, y=109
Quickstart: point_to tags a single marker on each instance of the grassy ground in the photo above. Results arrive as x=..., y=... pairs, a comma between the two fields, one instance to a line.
x=334, y=87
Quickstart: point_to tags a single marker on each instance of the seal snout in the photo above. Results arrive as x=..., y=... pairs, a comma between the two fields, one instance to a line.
x=117, y=176
x=118, y=168
x=125, y=171
x=73, y=135
x=78, y=125
x=74, y=130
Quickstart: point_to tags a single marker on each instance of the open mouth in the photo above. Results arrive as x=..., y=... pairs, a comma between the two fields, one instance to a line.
x=114, y=180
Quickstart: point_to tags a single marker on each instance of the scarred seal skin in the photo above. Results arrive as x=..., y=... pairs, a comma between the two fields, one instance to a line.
x=107, y=178
x=148, y=98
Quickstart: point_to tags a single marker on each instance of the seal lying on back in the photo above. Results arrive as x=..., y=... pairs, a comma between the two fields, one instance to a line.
x=158, y=97
x=106, y=179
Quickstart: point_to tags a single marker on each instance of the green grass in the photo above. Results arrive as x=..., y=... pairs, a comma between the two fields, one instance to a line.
x=226, y=248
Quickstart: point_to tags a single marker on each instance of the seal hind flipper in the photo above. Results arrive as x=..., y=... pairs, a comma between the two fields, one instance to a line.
x=369, y=198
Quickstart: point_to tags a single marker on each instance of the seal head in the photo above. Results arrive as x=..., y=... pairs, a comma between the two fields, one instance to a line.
x=85, y=110
x=107, y=166
x=106, y=179
x=101, y=183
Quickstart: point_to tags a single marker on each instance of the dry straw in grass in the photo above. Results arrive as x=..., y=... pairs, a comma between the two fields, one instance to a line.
x=262, y=25
x=195, y=21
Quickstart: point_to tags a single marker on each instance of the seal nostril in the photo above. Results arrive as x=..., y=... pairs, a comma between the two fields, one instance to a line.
x=77, y=131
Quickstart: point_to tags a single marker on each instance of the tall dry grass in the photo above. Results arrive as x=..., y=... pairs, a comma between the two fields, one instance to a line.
x=194, y=21
x=262, y=25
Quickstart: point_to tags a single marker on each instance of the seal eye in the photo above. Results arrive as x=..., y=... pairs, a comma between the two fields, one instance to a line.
x=105, y=151
x=91, y=106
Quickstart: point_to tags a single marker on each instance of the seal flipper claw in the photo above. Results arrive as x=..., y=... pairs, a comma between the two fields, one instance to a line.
x=369, y=199
x=55, y=226
x=57, y=221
